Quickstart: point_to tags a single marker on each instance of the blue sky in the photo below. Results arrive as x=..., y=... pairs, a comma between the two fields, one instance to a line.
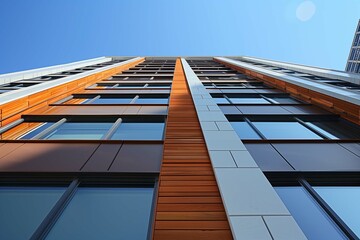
x=41, y=33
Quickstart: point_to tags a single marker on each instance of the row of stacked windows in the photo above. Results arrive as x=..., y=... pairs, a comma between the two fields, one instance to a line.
x=323, y=210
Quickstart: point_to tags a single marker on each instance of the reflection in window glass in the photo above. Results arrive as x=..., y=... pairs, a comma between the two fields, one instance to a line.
x=36, y=130
x=151, y=101
x=22, y=209
x=249, y=101
x=139, y=131
x=111, y=101
x=345, y=202
x=220, y=100
x=336, y=129
x=285, y=130
x=307, y=213
x=105, y=213
x=79, y=130
x=244, y=130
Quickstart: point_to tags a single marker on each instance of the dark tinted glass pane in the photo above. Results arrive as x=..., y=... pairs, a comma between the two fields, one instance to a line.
x=345, y=202
x=285, y=130
x=36, y=131
x=336, y=130
x=307, y=213
x=244, y=130
x=22, y=209
x=78, y=130
x=139, y=131
x=105, y=213
x=249, y=101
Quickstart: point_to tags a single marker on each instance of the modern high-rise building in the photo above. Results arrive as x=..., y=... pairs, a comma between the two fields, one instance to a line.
x=177, y=148
x=353, y=63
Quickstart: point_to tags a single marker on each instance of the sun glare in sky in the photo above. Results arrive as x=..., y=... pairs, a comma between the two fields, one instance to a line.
x=305, y=11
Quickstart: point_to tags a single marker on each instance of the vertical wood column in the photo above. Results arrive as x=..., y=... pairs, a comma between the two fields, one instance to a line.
x=189, y=205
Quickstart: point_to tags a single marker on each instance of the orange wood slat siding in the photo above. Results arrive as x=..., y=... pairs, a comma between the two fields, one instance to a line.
x=189, y=205
x=345, y=109
x=13, y=110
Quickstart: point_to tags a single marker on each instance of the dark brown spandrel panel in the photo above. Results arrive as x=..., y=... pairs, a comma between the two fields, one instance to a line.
x=262, y=110
x=85, y=110
x=123, y=91
x=268, y=158
x=132, y=110
x=134, y=157
x=305, y=110
x=46, y=157
x=5, y=149
x=101, y=160
x=319, y=157
x=229, y=110
x=153, y=110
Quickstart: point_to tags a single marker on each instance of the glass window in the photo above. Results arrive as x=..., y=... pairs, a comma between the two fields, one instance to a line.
x=285, y=130
x=244, y=130
x=105, y=213
x=345, y=202
x=36, y=130
x=104, y=100
x=336, y=129
x=151, y=100
x=22, y=209
x=308, y=214
x=79, y=130
x=220, y=100
x=249, y=101
x=139, y=131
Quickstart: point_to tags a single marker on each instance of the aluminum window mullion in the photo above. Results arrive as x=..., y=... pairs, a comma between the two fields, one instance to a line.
x=134, y=99
x=268, y=99
x=11, y=125
x=51, y=218
x=112, y=130
x=331, y=213
x=311, y=128
x=255, y=128
x=228, y=99
x=92, y=100
x=49, y=129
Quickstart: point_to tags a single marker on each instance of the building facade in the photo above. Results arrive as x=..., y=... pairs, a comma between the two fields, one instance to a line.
x=180, y=148
x=353, y=63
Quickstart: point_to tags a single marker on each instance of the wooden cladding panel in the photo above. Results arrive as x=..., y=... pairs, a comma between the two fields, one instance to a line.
x=24, y=105
x=345, y=109
x=189, y=205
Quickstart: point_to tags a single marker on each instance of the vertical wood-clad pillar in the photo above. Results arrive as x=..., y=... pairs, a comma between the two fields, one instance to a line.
x=189, y=205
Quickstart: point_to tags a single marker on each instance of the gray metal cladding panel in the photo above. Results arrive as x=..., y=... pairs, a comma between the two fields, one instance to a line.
x=305, y=110
x=319, y=156
x=134, y=157
x=352, y=147
x=267, y=158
